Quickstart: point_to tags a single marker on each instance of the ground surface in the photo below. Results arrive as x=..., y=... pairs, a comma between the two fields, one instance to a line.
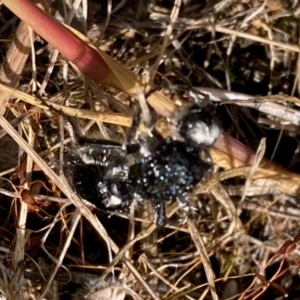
x=243, y=54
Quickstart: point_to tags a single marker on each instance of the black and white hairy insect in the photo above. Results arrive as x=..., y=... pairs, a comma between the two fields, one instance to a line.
x=111, y=175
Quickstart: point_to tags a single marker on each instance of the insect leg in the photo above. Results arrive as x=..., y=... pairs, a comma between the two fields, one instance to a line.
x=132, y=131
x=160, y=214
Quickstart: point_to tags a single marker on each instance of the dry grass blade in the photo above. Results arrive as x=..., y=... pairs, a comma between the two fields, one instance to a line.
x=204, y=257
x=264, y=104
x=257, y=160
x=222, y=29
x=173, y=18
x=15, y=60
x=75, y=220
x=113, y=118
